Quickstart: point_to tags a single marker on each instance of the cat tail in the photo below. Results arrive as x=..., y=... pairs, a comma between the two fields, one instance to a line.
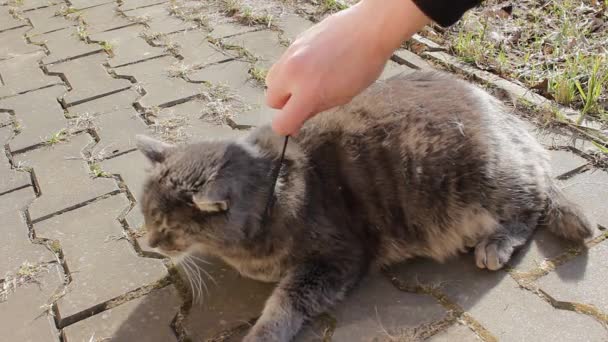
x=565, y=218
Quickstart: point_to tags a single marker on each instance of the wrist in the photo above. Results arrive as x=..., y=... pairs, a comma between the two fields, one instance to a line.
x=391, y=21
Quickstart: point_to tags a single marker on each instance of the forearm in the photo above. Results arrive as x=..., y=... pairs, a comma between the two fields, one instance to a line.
x=393, y=21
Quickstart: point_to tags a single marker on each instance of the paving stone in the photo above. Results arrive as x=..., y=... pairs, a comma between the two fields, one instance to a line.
x=581, y=280
x=159, y=20
x=392, y=69
x=103, y=18
x=58, y=165
x=38, y=114
x=7, y=21
x=193, y=127
x=13, y=43
x=455, y=333
x=543, y=245
x=10, y=179
x=28, y=5
x=264, y=45
x=102, y=265
x=562, y=138
x=232, y=302
x=235, y=76
x=22, y=73
x=590, y=191
x=376, y=306
x=127, y=46
x=82, y=4
x=89, y=79
x=143, y=319
x=22, y=315
x=122, y=100
x=64, y=45
x=5, y=119
x=132, y=170
x=47, y=20
x=293, y=25
x=563, y=162
x=222, y=30
x=17, y=248
x=411, y=60
x=127, y=5
x=161, y=89
x=117, y=131
x=196, y=50
x=497, y=302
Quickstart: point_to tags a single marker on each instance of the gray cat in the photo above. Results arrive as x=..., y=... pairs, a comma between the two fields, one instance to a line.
x=420, y=165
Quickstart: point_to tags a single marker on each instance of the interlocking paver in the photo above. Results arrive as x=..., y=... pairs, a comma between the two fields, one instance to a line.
x=65, y=45
x=10, y=179
x=543, y=246
x=265, y=45
x=132, y=170
x=196, y=50
x=411, y=59
x=563, y=162
x=499, y=304
x=118, y=101
x=13, y=43
x=89, y=79
x=22, y=315
x=455, y=333
x=82, y=4
x=235, y=76
x=7, y=21
x=16, y=245
x=392, y=69
x=22, y=73
x=143, y=319
x=192, y=125
x=47, y=19
x=103, y=266
x=127, y=45
x=161, y=89
x=234, y=301
x=103, y=18
x=562, y=138
x=27, y=5
x=158, y=19
x=581, y=280
x=292, y=25
x=38, y=114
x=59, y=165
x=127, y=5
x=376, y=308
x=590, y=191
x=117, y=132
x=222, y=30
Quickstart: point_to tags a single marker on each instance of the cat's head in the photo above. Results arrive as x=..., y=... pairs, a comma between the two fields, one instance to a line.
x=189, y=193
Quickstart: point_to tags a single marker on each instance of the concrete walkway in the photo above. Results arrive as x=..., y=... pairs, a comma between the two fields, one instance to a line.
x=79, y=80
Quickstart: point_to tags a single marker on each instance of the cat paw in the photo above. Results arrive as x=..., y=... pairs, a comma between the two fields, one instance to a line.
x=493, y=254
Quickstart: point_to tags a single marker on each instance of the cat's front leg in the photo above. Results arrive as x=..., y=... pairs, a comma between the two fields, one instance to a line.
x=306, y=291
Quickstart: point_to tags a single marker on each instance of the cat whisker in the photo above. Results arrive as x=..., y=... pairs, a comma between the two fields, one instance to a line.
x=199, y=278
x=189, y=277
x=199, y=259
x=195, y=258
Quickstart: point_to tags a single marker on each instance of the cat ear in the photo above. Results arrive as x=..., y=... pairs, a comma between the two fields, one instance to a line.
x=154, y=150
x=209, y=206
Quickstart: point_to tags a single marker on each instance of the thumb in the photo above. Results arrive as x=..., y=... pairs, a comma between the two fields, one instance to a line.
x=298, y=109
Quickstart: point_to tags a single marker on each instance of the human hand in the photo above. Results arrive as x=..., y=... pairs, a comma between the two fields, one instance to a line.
x=337, y=59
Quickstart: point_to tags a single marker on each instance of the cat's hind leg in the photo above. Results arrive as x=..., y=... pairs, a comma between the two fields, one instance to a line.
x=494, y=251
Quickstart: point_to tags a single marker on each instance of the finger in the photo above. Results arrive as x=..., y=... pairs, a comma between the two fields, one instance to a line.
x=296, y=111
x=277, y=93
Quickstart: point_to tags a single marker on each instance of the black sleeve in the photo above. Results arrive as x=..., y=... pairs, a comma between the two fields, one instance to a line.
x=446, y=12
